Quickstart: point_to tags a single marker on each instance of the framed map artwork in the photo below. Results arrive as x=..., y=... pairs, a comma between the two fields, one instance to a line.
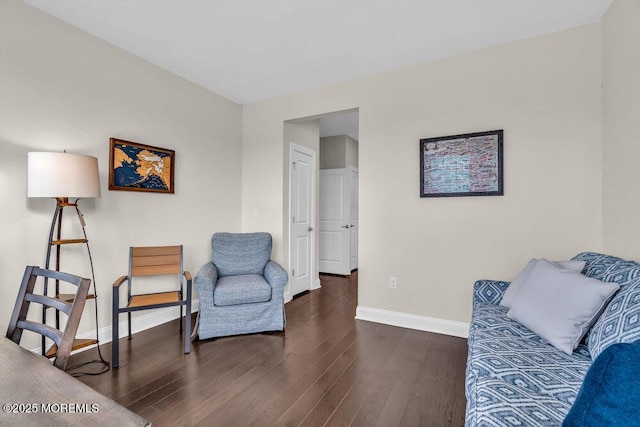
x=462, y=165
x=139, y=167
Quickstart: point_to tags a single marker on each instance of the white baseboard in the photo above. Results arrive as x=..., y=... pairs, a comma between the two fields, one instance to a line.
x=287, y=292
x=413, y=321
x=138, y=324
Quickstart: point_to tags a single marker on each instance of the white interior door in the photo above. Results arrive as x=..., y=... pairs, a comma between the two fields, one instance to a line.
x=302, y=221
x=353, y=223
x=334, y=222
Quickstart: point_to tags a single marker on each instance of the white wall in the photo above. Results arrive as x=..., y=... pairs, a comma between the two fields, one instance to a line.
x=352, y=152
x=338, y=151
x=333, y=152
x=621, y=128
x=61, y=88
x=544, y=92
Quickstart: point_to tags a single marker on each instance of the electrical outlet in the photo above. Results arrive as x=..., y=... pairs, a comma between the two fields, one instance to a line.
x=393, y=282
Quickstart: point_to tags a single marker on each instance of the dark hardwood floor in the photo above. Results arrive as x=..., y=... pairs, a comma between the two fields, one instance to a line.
x=326, y=369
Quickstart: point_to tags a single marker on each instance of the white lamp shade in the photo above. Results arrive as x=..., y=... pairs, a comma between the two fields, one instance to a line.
x=62, y=175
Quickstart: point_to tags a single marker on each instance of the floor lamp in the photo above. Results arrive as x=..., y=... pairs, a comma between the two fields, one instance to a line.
x=63, y=176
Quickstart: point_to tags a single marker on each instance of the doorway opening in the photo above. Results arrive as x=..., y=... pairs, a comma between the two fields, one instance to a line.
x=321, y=228
x=338, y=225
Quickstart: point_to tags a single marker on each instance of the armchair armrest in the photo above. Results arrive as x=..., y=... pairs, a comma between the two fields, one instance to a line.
x=120, y=281
x=187, y=276
x=489, y=291
x=116, y=293
x=276, y=276
x=204, y=283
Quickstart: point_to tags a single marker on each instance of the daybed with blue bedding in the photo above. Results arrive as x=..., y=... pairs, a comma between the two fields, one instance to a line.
x=514, y=377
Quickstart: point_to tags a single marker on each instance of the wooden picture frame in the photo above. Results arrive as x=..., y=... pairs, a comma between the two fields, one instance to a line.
x=139, y=167
x=462, y=165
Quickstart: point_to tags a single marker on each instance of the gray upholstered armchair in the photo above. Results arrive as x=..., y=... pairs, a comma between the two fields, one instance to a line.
x=241, y=289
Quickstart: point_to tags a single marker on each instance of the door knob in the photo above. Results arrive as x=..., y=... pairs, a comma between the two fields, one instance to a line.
x=310, y=229
x=345, y=226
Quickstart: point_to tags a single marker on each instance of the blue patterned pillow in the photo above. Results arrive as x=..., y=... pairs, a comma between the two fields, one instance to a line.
x=609, y=268
x=619, y=322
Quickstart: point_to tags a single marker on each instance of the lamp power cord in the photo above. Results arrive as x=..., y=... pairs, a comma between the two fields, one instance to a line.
x=101, y=360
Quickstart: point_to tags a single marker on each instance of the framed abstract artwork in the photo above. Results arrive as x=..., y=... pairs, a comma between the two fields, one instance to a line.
x=462, y=165
x=139, y=167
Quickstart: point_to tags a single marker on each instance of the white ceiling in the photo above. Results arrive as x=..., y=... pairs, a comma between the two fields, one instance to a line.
x=248, y=50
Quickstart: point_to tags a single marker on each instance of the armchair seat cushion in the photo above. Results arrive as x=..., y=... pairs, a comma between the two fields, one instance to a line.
x=241, y=289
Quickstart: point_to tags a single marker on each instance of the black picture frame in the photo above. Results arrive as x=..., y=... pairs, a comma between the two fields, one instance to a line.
x=462, y=165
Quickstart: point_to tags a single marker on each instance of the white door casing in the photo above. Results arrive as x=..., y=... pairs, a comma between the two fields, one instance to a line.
x=354, y=226
x=302, y=208
x=335, y=222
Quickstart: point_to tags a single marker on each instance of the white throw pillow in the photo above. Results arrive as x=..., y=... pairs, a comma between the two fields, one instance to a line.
x=560, y=305
x=516, y=284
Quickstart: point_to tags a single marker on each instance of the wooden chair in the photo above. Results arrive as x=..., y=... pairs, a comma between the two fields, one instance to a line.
x=63, y=339
x=152, y=261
